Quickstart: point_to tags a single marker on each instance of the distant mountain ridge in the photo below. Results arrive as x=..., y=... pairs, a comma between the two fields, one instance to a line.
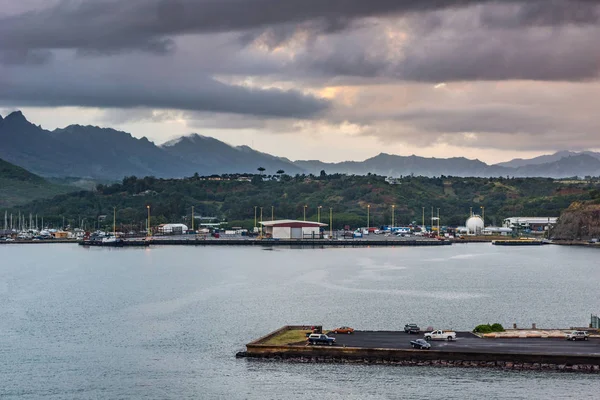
x=104, y=153
x=545, y=159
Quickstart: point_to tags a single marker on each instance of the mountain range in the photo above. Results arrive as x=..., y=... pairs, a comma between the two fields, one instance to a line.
x=103, y=153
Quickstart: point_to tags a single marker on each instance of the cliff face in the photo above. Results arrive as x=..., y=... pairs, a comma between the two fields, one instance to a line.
x=581, y=221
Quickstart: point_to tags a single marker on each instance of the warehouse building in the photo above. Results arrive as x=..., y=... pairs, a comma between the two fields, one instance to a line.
x=530, y=224
x=292, y=229
x=172, y=229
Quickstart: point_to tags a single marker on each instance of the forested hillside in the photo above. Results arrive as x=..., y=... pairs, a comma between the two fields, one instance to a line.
x=234, y=200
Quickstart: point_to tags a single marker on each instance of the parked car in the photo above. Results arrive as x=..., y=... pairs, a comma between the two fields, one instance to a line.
x=420, y=344
x=440, y=335
x=577, y=335
x=316, y=338
x=344, y=329
x=411, y=328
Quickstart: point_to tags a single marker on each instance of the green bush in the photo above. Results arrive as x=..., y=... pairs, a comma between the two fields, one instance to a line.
x=487, y=328
x=484, y=328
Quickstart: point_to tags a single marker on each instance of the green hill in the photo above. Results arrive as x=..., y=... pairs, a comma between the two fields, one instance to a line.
x=234, y=200
x=19, y=186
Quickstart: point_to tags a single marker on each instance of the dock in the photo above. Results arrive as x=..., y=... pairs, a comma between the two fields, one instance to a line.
x=154, y=241
x=393, y=348
x=519, y=242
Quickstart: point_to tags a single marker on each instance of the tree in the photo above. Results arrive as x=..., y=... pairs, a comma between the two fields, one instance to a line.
x=261, y=170
x=280, y=171
x=323, y=174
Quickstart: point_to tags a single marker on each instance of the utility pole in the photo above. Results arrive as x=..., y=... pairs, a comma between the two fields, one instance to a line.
x=432, y=219
x=483, y=215
x=331, y=223
x=149, y=230
x=368, y=216
x=272, y=213
x=438, y=221
x=261, y=225
x=423, y=223
x=192, y=218
x=393, y=212
x=114, y=222
x=255, y=218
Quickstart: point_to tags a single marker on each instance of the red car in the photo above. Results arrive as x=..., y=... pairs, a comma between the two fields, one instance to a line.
x=344, y=329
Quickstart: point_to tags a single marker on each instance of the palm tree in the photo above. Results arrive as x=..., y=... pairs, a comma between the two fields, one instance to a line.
x=261, y=170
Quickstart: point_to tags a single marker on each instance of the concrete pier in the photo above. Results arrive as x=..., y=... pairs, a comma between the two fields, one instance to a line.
x=468, y=350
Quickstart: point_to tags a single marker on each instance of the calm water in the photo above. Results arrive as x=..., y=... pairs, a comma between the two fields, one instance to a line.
x=166, y=322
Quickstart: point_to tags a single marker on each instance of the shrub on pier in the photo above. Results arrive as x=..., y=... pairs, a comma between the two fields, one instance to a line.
x=487, y=328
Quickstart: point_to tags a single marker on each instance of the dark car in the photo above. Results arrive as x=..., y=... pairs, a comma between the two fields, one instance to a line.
x=420, y=344
x=316, y=338
x=411, y=328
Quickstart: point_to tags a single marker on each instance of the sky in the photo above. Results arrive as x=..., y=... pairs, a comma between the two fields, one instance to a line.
x=312, y=79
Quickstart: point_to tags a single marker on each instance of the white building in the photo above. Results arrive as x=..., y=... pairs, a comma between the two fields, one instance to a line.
x=535, y=224
x=176, y=229
x=292, y=229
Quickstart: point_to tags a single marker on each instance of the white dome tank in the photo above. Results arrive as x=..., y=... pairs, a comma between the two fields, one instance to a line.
x=475, y=224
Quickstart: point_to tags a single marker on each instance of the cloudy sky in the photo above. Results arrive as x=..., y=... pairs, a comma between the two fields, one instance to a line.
x=314, y=79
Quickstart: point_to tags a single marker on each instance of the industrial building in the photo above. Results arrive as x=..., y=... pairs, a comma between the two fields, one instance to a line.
x=172, y=229
x=292, y=229
x=530, y=224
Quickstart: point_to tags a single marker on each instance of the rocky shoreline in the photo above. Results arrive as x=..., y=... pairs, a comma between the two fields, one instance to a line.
x=503, y=365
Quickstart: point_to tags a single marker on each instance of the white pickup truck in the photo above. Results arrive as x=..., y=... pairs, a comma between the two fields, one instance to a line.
x=440, y=335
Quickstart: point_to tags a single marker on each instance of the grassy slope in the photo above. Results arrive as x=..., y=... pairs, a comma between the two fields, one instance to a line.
x=19, y=186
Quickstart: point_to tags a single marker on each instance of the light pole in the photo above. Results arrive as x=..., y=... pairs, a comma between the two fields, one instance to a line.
x=368, y=216
x=319, y=214
x=261, y=225
x=149, y=231
x=393, y=211
x=114, y=222
x=331, y=223
x=438, y=221
x=192, y=218
x=304, y=210
x=432, y=219
x=423, y=222
x=272, y=213
x=255, y=218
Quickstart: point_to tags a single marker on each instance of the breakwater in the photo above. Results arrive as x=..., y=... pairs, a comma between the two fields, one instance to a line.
x=415, y=358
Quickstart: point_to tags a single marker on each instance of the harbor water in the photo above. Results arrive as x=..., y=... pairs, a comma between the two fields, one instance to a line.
x=166, y=322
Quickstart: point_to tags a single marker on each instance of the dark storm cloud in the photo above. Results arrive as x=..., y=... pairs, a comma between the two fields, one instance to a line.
x=138, y=24
x=112, y=87
x=542, y=13
x=25, y=57
x=565, y=54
